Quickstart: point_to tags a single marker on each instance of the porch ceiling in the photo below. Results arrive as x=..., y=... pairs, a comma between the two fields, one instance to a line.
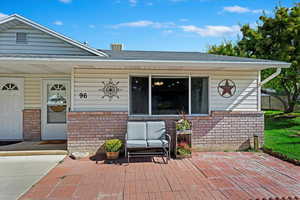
x=65, y=66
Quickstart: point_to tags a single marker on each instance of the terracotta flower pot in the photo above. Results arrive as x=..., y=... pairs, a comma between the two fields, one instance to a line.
x=112, y=155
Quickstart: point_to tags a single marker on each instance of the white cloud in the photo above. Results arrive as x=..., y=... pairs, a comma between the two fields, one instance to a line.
x=65, y=1
x=2, y=15
x=212, y=31
x=167, y=32
x=236, y=9
x=239, y=9
x=58, y=23
x=92, y=26
x=145, y=23
x=133, y=2
x=183, y=20
x=170, y=27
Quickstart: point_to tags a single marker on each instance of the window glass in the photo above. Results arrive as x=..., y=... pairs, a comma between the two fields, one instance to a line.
x=199, y=96
x=169, y=96
x=57, y=103
x=21, y=38
x=139, y=102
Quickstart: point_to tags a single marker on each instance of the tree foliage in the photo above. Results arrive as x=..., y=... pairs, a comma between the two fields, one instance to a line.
x=275, y=37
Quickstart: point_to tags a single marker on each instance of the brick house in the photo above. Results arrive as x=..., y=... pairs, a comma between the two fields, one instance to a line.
x=53, y=88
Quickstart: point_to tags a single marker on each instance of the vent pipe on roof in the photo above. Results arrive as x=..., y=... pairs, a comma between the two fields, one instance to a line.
x=116, y=47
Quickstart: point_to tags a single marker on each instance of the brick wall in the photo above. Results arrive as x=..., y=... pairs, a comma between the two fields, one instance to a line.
x=227, y=130
x=32, y=124
x=87, y=131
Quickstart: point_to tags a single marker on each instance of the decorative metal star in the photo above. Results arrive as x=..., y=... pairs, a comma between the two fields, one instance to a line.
x=228, y=88
x=110, y=89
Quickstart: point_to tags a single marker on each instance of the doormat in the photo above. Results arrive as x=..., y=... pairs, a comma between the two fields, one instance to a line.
x=53, y=142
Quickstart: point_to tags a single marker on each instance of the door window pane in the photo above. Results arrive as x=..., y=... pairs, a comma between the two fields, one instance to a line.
x=139, y=102
x=169, y=96
x=56, y=103
x=199, y=95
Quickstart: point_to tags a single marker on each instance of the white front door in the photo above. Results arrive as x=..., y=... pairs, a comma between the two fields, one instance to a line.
x=11, y=107
x=56, y=100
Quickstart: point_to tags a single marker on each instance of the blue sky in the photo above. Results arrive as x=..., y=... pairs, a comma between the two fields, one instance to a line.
x=176, y=25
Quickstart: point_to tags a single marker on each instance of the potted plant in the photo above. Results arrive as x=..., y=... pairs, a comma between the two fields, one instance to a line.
x=183, y=137
x=112, y=148
x=183, y=150
x=183, y=126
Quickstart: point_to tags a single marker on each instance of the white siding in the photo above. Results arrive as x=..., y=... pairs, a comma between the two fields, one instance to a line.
x=90, y=81
x=38, y=43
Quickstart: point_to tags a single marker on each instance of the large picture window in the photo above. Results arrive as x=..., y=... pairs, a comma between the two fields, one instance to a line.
x=168, y=95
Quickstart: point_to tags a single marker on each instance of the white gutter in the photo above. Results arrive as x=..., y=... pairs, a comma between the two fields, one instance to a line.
x=278, y=70
x=281, y=64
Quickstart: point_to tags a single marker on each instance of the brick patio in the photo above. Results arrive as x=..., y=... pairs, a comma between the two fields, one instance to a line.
x=206, y=176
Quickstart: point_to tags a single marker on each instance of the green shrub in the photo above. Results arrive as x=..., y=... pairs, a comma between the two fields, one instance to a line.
x=113, y=145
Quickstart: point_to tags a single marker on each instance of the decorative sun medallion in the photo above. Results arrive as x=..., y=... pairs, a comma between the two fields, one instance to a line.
x=226, y=88
x=110, y=89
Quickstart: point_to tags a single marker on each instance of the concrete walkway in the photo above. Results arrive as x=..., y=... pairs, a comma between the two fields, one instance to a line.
x=206, y=176
x=19, y=173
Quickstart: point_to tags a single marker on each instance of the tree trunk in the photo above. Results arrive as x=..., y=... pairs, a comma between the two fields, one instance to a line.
x=292, y=99
x=290, y=108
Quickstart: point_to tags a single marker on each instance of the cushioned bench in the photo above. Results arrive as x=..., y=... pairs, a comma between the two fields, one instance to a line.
x=143, y=136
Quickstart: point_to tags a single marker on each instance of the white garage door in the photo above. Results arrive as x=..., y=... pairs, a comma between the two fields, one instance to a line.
x=11, y=106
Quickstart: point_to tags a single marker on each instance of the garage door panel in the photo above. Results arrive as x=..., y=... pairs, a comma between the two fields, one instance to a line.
x=11, y=106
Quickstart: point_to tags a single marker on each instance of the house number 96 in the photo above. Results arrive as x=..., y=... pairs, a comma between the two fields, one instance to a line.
x=83, y=95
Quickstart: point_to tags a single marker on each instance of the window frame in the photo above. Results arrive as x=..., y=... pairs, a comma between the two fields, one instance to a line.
x=150, y=76
x=22, y=41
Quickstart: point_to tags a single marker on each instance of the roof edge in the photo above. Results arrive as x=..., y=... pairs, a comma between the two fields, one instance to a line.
x=53, y=33
x=80, y=59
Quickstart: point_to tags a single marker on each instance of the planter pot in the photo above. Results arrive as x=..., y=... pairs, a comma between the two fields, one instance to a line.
x=112, y=155
x=178, y=156
x=185, y=132
x=183, y=136
x=58, y=108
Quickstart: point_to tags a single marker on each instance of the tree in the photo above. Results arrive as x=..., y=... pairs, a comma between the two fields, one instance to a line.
x=276, y=38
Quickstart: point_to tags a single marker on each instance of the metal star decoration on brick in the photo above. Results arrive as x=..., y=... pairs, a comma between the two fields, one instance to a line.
x=226, y=88
x=110, y=89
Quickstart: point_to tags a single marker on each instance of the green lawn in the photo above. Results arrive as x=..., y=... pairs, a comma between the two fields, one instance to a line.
x=282, y=134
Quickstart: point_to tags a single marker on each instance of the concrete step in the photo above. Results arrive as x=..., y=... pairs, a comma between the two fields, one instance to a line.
x=33, y=153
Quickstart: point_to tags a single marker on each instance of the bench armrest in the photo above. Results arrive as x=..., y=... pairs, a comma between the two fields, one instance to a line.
x=168, y=137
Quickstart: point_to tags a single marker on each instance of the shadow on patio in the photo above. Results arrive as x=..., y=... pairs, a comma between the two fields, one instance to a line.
x=216, y=176
x=57, y=147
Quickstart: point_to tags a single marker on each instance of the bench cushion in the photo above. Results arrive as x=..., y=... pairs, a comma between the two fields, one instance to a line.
x=157, y=143
x=156, y=130
x=136, y=143
x=136, y=131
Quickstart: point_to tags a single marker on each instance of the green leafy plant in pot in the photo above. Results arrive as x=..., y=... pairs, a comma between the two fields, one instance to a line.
x=183, y=126
x=184, y=149
x=112, y=148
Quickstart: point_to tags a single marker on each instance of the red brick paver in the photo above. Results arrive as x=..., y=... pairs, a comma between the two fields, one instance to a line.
x=207, y=176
